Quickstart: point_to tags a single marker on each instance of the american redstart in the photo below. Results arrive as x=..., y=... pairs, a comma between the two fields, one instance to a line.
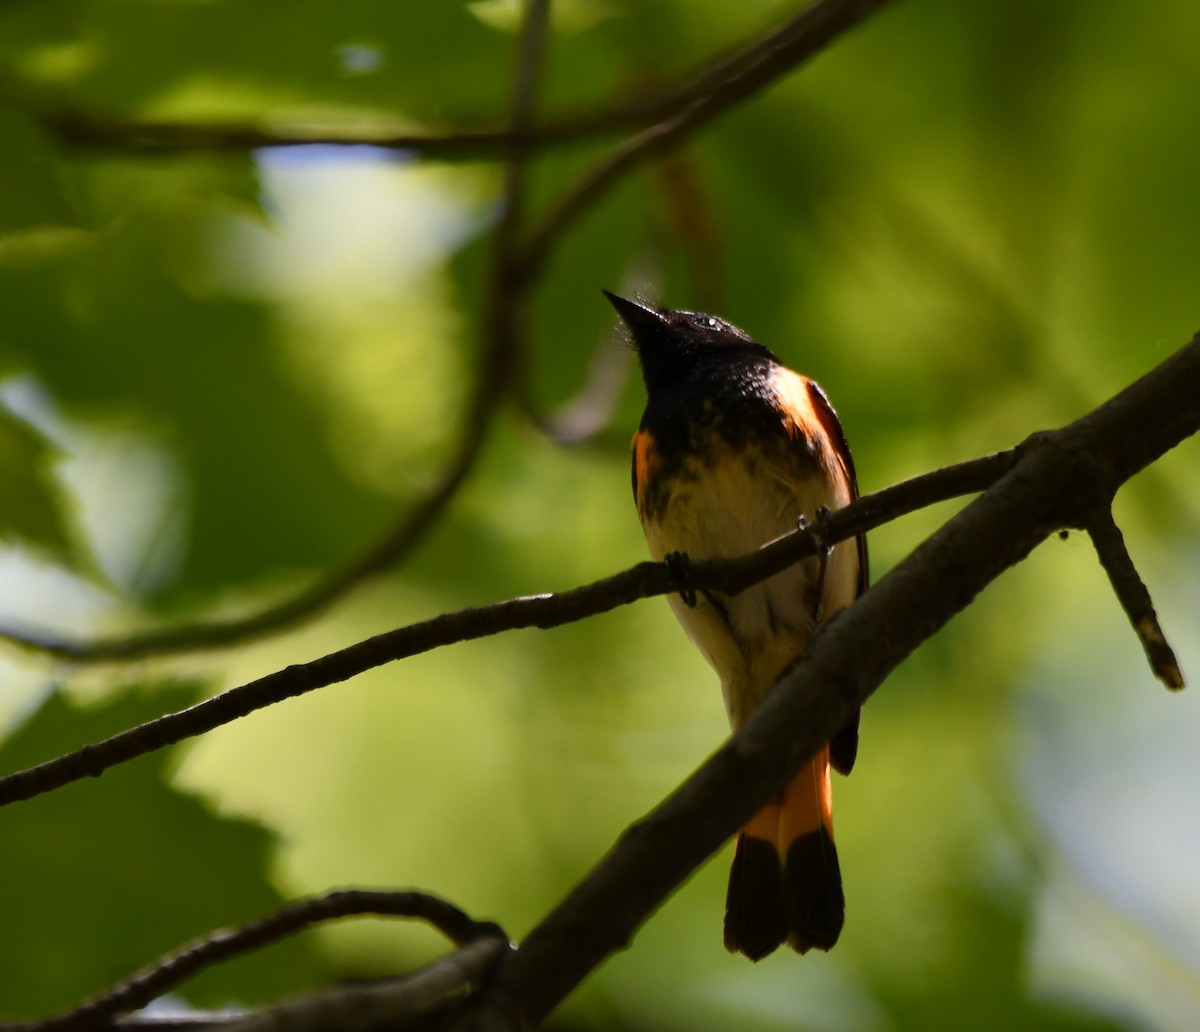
x=733, y=451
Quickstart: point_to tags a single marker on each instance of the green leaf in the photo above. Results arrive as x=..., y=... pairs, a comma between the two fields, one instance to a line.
x=119, y=335
x=423, y=59
x=103, y=876
x=34, y=193
x=34, y=508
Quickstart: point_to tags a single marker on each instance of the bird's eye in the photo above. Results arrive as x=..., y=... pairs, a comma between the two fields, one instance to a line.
x=712, y=322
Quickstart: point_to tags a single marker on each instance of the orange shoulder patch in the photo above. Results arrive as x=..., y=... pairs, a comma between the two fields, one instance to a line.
x=807, y=417
x=807, y=413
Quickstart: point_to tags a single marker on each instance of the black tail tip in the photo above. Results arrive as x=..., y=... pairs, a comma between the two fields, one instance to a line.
x=755, y=916
x=816, y=906
x=799, y=901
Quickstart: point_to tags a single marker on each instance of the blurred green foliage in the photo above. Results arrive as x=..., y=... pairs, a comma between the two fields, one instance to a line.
x=222, y=374
x=110, y=869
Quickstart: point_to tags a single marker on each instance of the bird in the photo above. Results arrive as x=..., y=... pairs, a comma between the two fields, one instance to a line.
x=734, y=450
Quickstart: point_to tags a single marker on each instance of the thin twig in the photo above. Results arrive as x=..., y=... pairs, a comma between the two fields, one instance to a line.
x=510, y=286
x=544, y=611
x=82, y=130
x=1134, y=597
x=79, y=128
x=170, y=971
x=391, y=1004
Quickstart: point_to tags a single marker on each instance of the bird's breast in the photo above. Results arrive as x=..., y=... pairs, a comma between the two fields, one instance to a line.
x=728, y=498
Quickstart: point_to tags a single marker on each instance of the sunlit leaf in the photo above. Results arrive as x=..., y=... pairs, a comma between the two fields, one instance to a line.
x=35, y=509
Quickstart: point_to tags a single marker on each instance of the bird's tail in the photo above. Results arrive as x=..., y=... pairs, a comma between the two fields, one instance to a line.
x=785, y=884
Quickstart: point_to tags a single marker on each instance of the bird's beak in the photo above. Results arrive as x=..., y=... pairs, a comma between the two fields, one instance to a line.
x=641, y=318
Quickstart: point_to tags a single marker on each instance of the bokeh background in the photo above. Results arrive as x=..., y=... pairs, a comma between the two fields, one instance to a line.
x=223, y=373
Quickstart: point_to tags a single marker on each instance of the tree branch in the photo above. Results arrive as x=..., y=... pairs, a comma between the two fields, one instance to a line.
x=388, y=1005
x=544, y=611
x=1054, y=482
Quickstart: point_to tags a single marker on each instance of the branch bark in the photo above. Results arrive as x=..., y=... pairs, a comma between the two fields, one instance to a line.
x=1059, y=479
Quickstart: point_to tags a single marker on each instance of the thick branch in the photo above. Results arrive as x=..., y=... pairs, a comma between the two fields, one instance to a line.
x=1054, y=478
x=544, y=611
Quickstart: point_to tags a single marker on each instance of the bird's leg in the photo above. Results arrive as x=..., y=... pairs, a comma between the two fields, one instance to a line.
x=679, y=567
x=816, y=528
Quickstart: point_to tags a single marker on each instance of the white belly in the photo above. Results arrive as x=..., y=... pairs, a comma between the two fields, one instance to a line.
x=733, y=509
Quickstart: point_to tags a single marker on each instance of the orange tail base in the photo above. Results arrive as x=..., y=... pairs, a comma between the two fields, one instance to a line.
x=785, y=884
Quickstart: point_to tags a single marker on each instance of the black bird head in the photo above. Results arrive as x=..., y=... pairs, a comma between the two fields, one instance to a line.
x=670, y=343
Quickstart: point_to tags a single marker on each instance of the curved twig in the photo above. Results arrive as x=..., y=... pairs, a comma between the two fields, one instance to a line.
x=389, y=1005
x=175, y=968
x=772, y=57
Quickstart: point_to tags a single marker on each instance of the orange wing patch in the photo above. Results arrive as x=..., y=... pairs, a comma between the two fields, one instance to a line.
x=645, y=463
